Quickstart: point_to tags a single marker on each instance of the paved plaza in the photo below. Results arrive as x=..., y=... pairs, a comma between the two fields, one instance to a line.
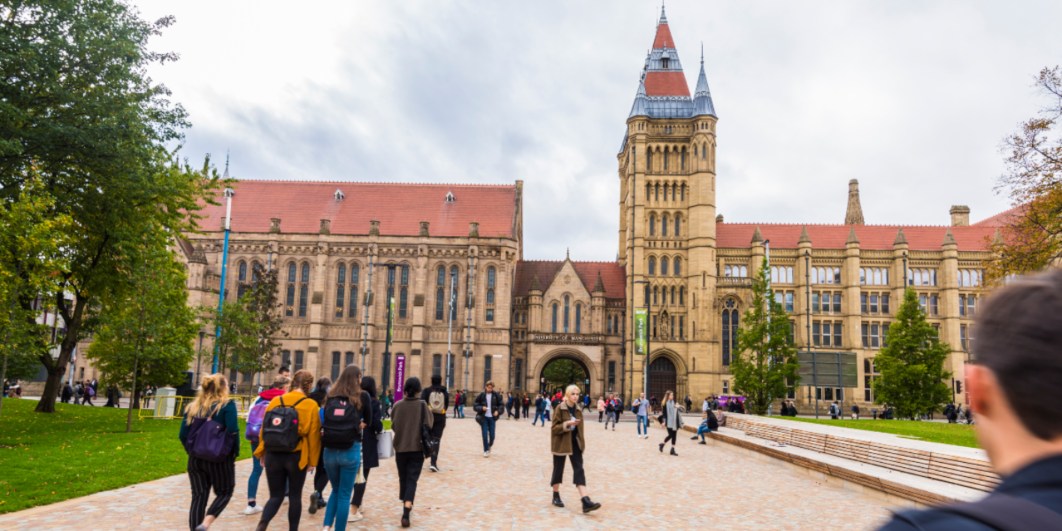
x=711, y=486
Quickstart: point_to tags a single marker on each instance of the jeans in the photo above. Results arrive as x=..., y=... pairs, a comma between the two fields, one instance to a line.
x=487, y=429
x=342, y=467
x=610, y=417
x=539, y=415
x=643, y=420
x=252, y=481
x=702, y=429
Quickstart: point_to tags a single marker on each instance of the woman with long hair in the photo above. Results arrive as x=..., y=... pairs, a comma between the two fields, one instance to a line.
x=671, y=420
x=320, y=476
x=286, y=470
x=407, y=417
x=211, y=402
x=346, y=409
x=370, y=459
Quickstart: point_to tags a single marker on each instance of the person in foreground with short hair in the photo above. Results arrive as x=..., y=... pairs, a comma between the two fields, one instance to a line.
x=567, y=439
x=408, y=416
x=1015, y=370
x=488, y=407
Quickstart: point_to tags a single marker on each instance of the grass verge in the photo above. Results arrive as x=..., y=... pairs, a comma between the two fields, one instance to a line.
x=939, y=432
x=80, y=450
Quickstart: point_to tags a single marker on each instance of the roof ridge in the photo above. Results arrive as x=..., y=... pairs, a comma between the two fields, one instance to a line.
x=799, y=224
x=394, y=183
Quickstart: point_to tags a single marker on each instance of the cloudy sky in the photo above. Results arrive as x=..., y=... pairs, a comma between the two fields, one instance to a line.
x=913, y=98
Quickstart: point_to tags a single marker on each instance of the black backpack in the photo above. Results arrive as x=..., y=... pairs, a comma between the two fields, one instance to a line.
x=341, y=423
x=280, y=427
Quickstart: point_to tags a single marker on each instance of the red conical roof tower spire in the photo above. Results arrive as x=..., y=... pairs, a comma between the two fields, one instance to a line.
x=663, y=73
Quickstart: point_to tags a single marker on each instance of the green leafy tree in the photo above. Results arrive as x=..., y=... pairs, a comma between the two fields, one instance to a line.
x=562, y=372
x=911, y=364
x=32, y=239
x=77, y=107
x=1032, y=239
x=147, y=329
x=765, y=364
x=251, y=326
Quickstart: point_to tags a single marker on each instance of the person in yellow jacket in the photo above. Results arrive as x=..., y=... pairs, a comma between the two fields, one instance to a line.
x=286, y=471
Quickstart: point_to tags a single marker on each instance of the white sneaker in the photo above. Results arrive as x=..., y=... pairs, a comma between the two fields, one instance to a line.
x=355, y=517
x=252, y=510
x=434, y=468
x=486, y=454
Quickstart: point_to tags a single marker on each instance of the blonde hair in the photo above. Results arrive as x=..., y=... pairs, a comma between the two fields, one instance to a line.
x=570, y=387
x=212, y=395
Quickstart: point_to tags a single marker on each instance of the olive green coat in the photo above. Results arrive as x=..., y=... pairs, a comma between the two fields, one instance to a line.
x=561, y=438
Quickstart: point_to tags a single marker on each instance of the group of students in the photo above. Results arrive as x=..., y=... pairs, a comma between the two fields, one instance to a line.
x=294, y=428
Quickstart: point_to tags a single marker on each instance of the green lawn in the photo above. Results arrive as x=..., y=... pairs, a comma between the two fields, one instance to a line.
x=80, y=450
x=940, y=432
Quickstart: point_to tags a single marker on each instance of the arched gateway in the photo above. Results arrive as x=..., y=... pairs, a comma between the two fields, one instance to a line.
x=564, y=368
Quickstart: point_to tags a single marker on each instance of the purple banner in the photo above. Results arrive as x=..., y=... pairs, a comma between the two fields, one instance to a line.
x=400, y=376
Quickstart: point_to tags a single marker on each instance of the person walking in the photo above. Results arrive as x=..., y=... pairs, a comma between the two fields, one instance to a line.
x=217, y=472
x=457, y=403
x=672, y=420
x=407, y=418
x=568, y=439
x=347, y=411
x=255, y=415
x=689, y=404
x=641, y=411
x=508, y=405
x=488, y=407
x=540, y=410
x=526, y=403
x=297, y=421
x=601, y=408
x=67, y=393
x=370, y=458
x=90, y=393
x=437, y=398
x=320, y=476
x=610, y=412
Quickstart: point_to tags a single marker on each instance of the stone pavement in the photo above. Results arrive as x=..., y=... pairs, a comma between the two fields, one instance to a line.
x=638, y=487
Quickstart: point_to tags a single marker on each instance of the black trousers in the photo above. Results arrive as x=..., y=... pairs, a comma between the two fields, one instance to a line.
x=359, y=488
x=437, y=426
x=409, y=465
x=204, y=476
x=320, y=476
x=282, y=471
x=576, y=457
x=672, y=435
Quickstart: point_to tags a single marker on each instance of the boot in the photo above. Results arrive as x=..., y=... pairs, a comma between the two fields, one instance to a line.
x=405, y=516
x=590, y=505
x=557, y=500
x=673, y=452
x=661, y=447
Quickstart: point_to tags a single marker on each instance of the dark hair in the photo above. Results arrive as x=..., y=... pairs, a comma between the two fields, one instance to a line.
x=436, y=379
x=348, y=385
x=368, y=384
x=302, y=380
x=1019, y=338
x=412, y=387
x=322, y=384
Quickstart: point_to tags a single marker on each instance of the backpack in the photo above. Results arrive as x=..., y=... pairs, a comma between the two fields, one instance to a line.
x=340, y=427
x=280, y=428
x=437, y=401
x=254, y=420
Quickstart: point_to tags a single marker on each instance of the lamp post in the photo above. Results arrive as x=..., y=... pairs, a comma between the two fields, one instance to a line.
x=648, y=335
x=807, y=318
x=365, y=321
x=390, y=324
x=198, y=357
x=905, y=272
x=229, y=192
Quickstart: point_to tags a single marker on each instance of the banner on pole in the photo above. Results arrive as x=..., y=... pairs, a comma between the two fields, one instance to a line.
x=400, y=376
x=391, y=317
x=641, y=317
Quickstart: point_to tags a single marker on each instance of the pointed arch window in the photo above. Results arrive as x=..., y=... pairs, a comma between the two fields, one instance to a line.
x=341, y=288
x=663, y=266
x=648, y=163
x=440, y=293
x=683, y=195
x=678, y=266
x=730, y=328
x=355, y=274
x=491, y=281
x=704, y=152
x=304, y=289
x=667, y=155
x=553, y=320
x=656, y=193
x=652, y=224
x=663, y=225
x=656, y=295
x=682, y=295
x=289, y=296
x=673, y=295
x=682, y=164
x=256, y=272
x=678, y=225
x=648, y=191
x=578, y=318
x=652, y=265
x=241, y=279
x=567, y=314
x=455, y=282
x=403, y=291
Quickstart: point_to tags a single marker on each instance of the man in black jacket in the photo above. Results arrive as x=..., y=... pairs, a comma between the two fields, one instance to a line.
x=437, y=398
x=488, y=406
x=1016, y=367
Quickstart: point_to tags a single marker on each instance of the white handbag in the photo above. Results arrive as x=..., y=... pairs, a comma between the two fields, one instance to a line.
x=385, y=445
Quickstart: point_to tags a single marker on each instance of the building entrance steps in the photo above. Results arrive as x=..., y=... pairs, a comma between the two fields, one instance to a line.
x=922, y=472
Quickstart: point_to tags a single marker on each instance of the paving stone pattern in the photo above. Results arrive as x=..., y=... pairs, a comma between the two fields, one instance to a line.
x=713, y=486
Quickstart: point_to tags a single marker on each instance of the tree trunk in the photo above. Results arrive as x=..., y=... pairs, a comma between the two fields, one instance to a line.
x=52, y=385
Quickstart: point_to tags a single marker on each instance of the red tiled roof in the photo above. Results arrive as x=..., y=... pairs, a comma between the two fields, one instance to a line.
x=875, y=237
x=663, y=37
x=666, y=84
x=612, y=276
x=399, y=207
x=1003, y=218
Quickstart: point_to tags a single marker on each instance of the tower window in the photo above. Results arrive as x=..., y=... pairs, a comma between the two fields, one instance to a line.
x=665, y=62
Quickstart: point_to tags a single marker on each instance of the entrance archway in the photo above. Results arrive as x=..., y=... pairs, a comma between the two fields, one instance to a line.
x=561, y=371
x=663, y=377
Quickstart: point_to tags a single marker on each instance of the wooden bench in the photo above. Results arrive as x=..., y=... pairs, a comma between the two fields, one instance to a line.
x=958, y=470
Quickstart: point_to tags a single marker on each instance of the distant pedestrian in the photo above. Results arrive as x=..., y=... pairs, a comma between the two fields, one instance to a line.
x=210, y=470
x=526, y=403
x=689, y=404
x=457, y=403
x=67, y=393
x=568, y=439
x=488, y=407
x=346, y=414
x=671, y=420
x=835, y=411
x=320, y=476
x=610, y=412
x=601, y=407
x=370, y=459
x=297, y=419
x=437, y=398
x=408, y=417
x=641, y=411
x=90, y=393
x=540, y=410
x=855, y=412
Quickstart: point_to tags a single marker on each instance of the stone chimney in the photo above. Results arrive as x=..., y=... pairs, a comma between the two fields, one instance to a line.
x=374, y=227
x=326, y=226
x=424, y=228
x=960, y=216
x=274, y=224
x=473, y=229
x=854, y=215
x=719, y=218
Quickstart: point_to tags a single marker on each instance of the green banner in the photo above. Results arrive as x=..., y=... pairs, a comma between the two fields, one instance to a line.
x=391, y=317
x=641, y=318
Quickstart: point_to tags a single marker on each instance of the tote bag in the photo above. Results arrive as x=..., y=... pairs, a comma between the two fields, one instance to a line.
x=385, y=445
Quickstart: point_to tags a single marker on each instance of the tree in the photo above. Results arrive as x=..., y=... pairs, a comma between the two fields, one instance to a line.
x=250, y=326
x=146, y=329
x=765, y=365
x=1032, y=239
x=562, y=372
x=77, y=106
x=911, y=364
x=31, y=256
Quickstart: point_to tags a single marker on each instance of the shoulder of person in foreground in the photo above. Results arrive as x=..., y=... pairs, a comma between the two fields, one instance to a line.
x=931, y=520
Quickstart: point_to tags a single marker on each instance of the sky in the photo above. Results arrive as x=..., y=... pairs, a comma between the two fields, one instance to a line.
x=913, y=98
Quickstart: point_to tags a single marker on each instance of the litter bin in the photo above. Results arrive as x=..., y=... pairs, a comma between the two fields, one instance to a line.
x=165, y=400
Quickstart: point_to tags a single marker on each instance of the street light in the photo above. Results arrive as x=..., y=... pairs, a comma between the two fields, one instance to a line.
x=198, y=357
